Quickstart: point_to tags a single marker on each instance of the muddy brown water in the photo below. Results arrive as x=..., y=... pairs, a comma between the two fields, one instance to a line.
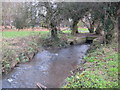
x=49, y=68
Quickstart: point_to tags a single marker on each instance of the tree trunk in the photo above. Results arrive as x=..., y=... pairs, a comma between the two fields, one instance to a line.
x=53, y=31
x=99, y=31
x=5, y=25
x=59, y=30
x=91, y=29
x=74, y=27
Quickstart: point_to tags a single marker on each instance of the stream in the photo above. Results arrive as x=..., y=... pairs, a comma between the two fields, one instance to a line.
x=49, y=67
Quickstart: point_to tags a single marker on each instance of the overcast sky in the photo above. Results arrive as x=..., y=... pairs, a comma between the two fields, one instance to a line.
x=60, y=0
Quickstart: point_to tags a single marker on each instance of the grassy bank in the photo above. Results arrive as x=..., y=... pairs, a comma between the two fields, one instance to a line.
x=100, y=69
x=18, y=50
x=14, y=34
x=22, y=47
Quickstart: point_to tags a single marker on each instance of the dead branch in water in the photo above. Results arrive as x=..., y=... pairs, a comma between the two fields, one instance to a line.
x=39, y=85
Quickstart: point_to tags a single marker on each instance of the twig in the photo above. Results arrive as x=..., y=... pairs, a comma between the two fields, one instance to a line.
x=40, y=85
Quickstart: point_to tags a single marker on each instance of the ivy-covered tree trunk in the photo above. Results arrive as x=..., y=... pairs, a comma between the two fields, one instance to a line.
x=109, y=30
x=74, y=27
x=110, y=33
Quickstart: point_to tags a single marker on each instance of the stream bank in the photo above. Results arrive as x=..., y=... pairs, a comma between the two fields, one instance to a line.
x=100, y=69
x=48, y=68
x=22, y=50
x=67, y=60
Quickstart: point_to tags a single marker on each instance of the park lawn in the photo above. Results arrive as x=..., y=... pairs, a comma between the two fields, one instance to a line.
x=67, y=31
x=81, y=30
x=13, y=34
x=101, y=70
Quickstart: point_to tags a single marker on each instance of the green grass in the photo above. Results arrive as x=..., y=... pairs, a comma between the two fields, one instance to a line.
x=13, y=34
x=67, y=31
x=101, y=70
x=81, y=30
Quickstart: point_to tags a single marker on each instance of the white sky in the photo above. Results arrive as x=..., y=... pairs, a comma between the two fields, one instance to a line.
x=60, y=0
